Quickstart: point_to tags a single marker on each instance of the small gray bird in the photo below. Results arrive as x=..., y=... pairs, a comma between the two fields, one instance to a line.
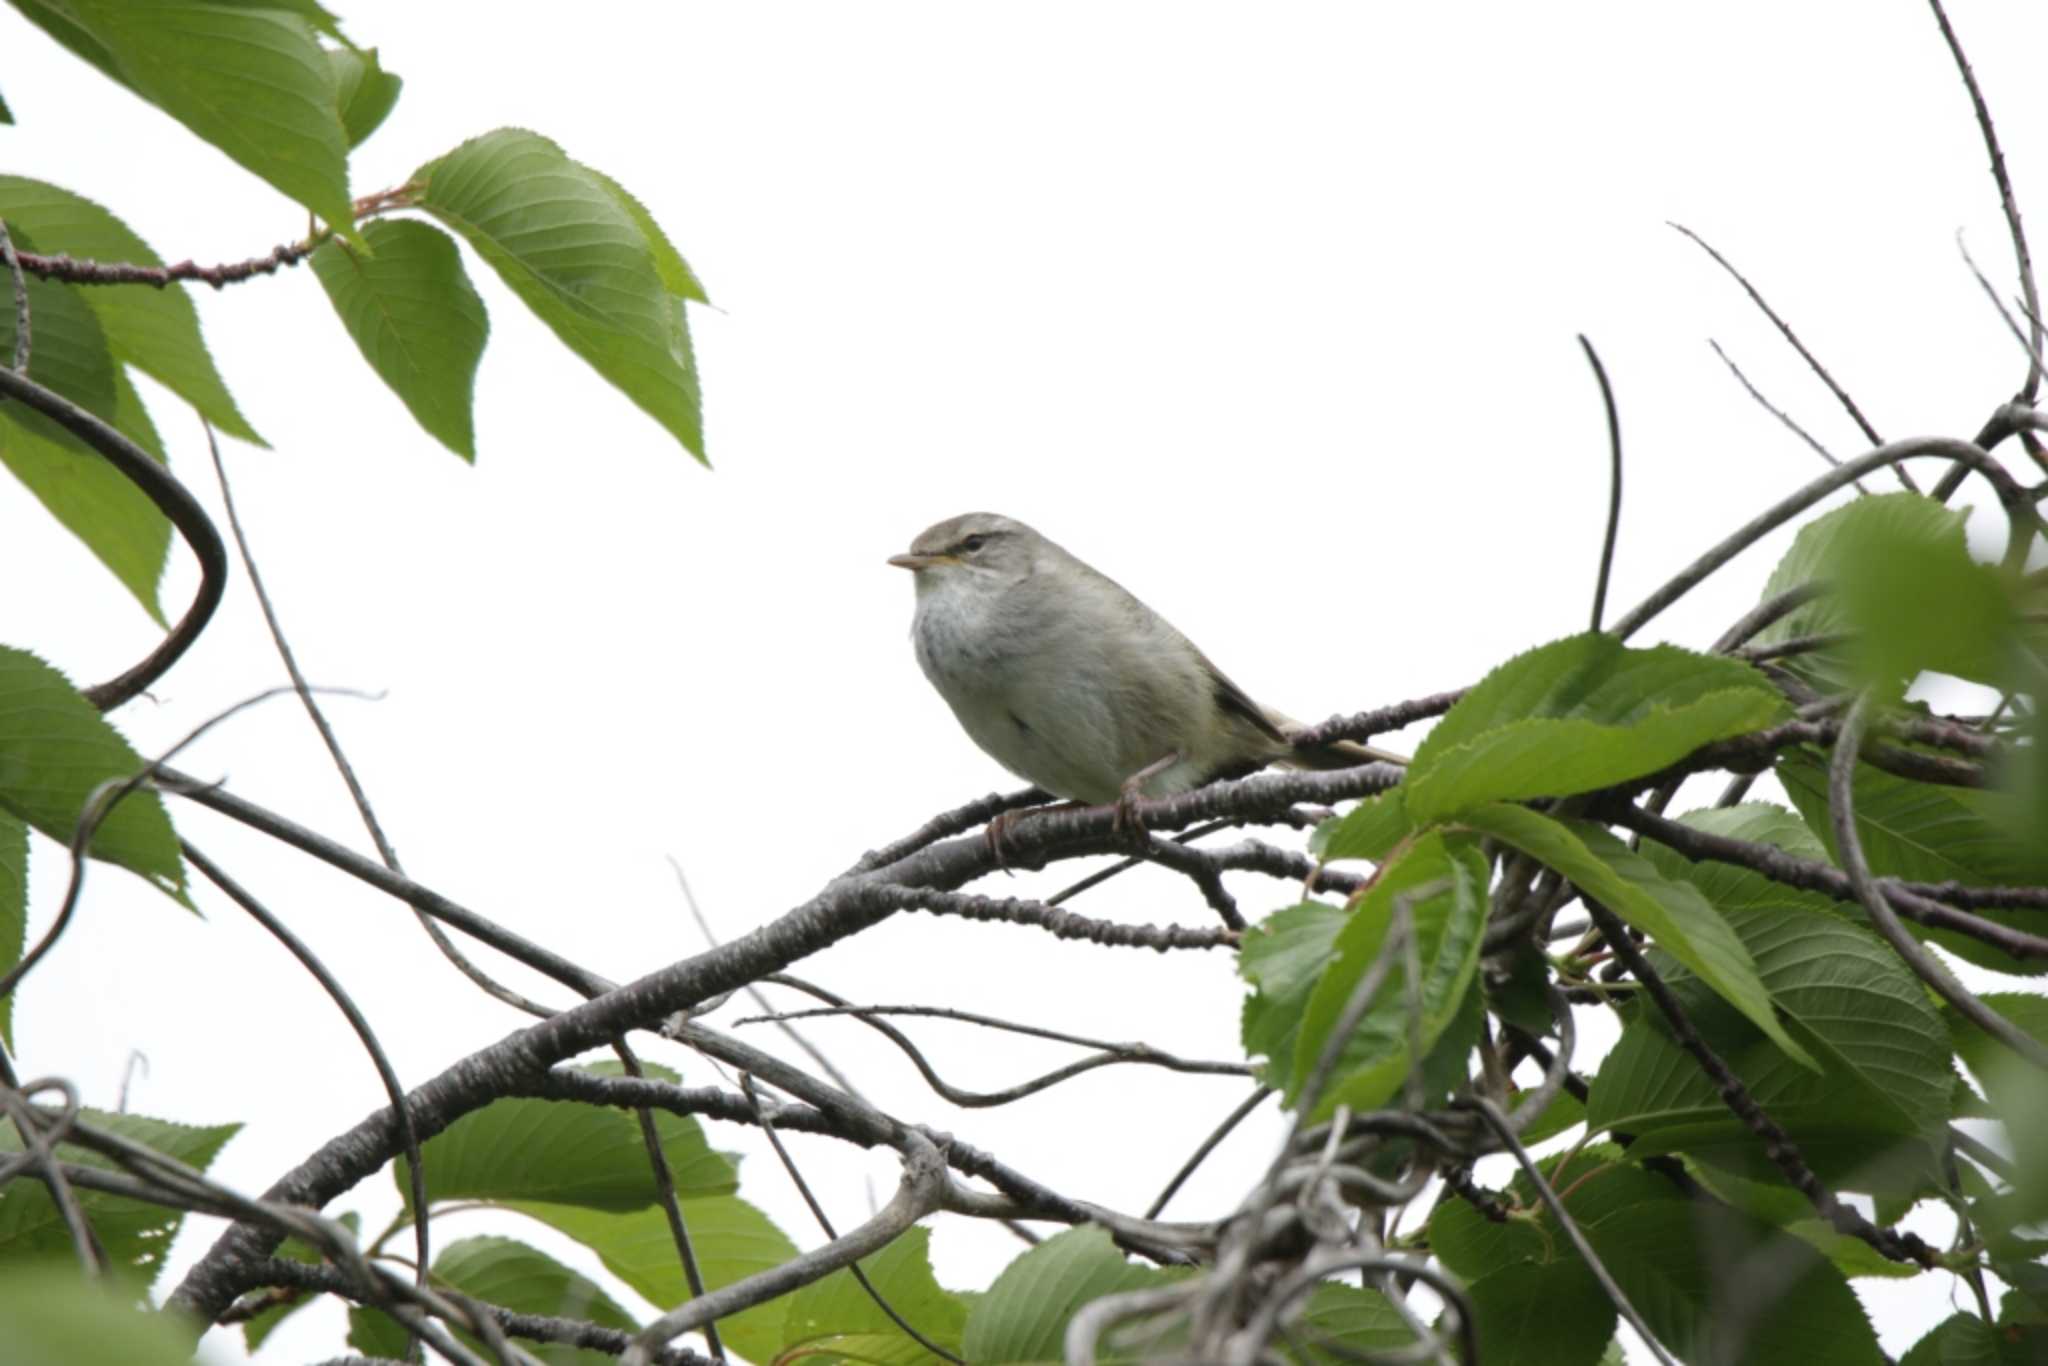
x=1071, y=683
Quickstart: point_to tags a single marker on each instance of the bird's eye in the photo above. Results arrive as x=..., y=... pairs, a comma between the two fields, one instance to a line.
x=973, y=543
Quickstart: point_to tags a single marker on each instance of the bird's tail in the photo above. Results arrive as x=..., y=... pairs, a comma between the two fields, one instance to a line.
x=1341, y=754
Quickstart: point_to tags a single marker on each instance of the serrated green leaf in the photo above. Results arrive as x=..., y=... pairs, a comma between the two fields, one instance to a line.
x=1966, y=1340
x=55, y=749
x=418, y=321
x=56, y=1317
x=569, y=249
x=675, y=272
x=1904, y=583
x=1282, y=957
x=13, y=911
x=135, y=1233
x=1732, y=887
x=731, y=1240
x=114, y=519
x=1443, y=883
x=1023, y=1317
x=1927, y=832
x=154, y=330
x=1714, y=1284
x=1350, y=1319
x=1673, y=914
x=1868, y=1121
x=1783, y=1207
x=251, y=81
x=1370, y=830
x=835, y=1319
x=364, y=91
x=1553, y=1314
x=1579, y=714
x=512, y=1275
x=517, y=1149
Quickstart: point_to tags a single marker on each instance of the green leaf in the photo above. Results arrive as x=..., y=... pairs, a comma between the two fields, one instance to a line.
x=731, y=1240
x=55, y=1317
x=154, y=330
x=135, y=1233
x=1551, y=1314
x=1869, y=1120
x=364, y=91
x=835, y=1319
x=1927, y=832
x=1673, y=914
x=1965, y=1340
x=1370, y=830
x=1714, y=1284
x=2018, y=1094
x=416, y=318
x=1023, y=1317
x=1360, y=1321
x=1282, y=957
x=1905, y=583
x=253, y=82
x=6, y=114
x=508, y=1273
x=675, y=272
x=375, y=1334
x=567, y=1154
x=1564, y=1112
x=55, y=749
x=1443, y=883
x=1780, y=1206
x=1578, y=714
x=563, y=242
x=80, y=488
x=1732, y=887
x=13, y=912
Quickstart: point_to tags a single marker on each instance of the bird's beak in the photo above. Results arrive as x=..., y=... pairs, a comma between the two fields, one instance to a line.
x=915, y=561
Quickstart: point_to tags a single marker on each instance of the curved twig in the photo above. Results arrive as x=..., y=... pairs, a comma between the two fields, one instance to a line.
x=409, y=1138
x=1849, y=843
x=1613, y=480
x=2010, y=495
x=171, y=498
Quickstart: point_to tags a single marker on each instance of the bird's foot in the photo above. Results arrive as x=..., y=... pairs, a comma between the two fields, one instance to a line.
x=997, y=834
x=1128, y=824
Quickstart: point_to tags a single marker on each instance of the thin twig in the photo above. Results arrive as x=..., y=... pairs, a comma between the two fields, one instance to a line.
x=1207, y=1146
x=2006, y=199
x=1775, y=411
x=1498, y=1122
x=1613, y=480
x=665, y=1194
x=1812, y=361
x=760, y=998
x=328, y=738
x=73, y=271
x=416, y=1169
x=824, y=1222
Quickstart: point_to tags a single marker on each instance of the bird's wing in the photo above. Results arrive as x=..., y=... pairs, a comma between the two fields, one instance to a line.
x=1232, y=698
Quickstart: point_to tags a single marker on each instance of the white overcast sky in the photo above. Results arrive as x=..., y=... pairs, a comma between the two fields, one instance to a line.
x=1265, y=310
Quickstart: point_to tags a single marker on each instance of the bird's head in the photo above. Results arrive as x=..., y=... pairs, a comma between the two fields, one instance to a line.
x=975, y=548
